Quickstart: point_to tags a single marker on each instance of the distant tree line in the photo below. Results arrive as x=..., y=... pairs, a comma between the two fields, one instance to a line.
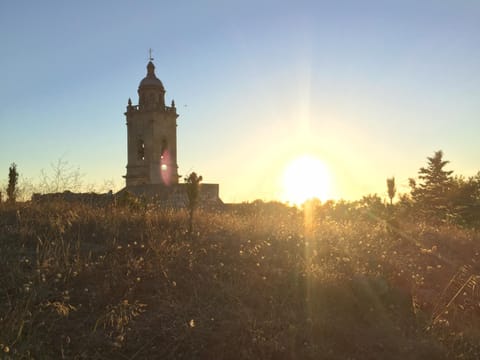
x=438, y=195
x=59, y=177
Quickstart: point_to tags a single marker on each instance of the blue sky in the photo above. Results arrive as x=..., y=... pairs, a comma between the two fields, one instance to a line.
x=372, y=88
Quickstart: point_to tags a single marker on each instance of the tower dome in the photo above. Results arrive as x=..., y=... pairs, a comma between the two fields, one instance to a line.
x=151, y=79
x=151, y=93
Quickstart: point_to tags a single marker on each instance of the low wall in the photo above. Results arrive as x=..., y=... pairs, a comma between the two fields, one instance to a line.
x=174, y=195
x=171, y=196
x=68, y=196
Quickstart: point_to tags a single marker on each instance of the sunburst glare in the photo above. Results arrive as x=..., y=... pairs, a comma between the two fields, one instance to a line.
x=304, y=178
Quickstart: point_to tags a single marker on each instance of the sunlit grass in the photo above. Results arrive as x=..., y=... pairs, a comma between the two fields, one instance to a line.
x=252, y=281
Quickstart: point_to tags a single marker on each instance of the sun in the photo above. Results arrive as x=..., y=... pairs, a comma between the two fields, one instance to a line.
x=306, y=177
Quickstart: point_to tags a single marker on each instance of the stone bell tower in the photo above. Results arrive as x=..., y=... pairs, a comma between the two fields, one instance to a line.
x=152, y=135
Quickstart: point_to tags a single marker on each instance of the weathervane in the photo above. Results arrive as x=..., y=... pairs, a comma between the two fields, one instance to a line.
x=150, y=54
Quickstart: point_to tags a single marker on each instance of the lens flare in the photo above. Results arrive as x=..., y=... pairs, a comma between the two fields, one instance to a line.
x=165, y=168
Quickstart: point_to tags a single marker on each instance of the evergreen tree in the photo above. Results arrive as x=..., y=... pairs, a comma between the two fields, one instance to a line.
x=12, y=183
x=431, y=194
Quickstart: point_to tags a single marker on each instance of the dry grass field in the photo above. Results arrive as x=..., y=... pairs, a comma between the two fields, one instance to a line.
x=253, y=281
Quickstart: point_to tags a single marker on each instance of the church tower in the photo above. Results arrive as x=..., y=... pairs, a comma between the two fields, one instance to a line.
x=152, y=135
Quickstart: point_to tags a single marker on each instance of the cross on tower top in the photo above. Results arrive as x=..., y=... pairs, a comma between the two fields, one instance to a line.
x=150, y=54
